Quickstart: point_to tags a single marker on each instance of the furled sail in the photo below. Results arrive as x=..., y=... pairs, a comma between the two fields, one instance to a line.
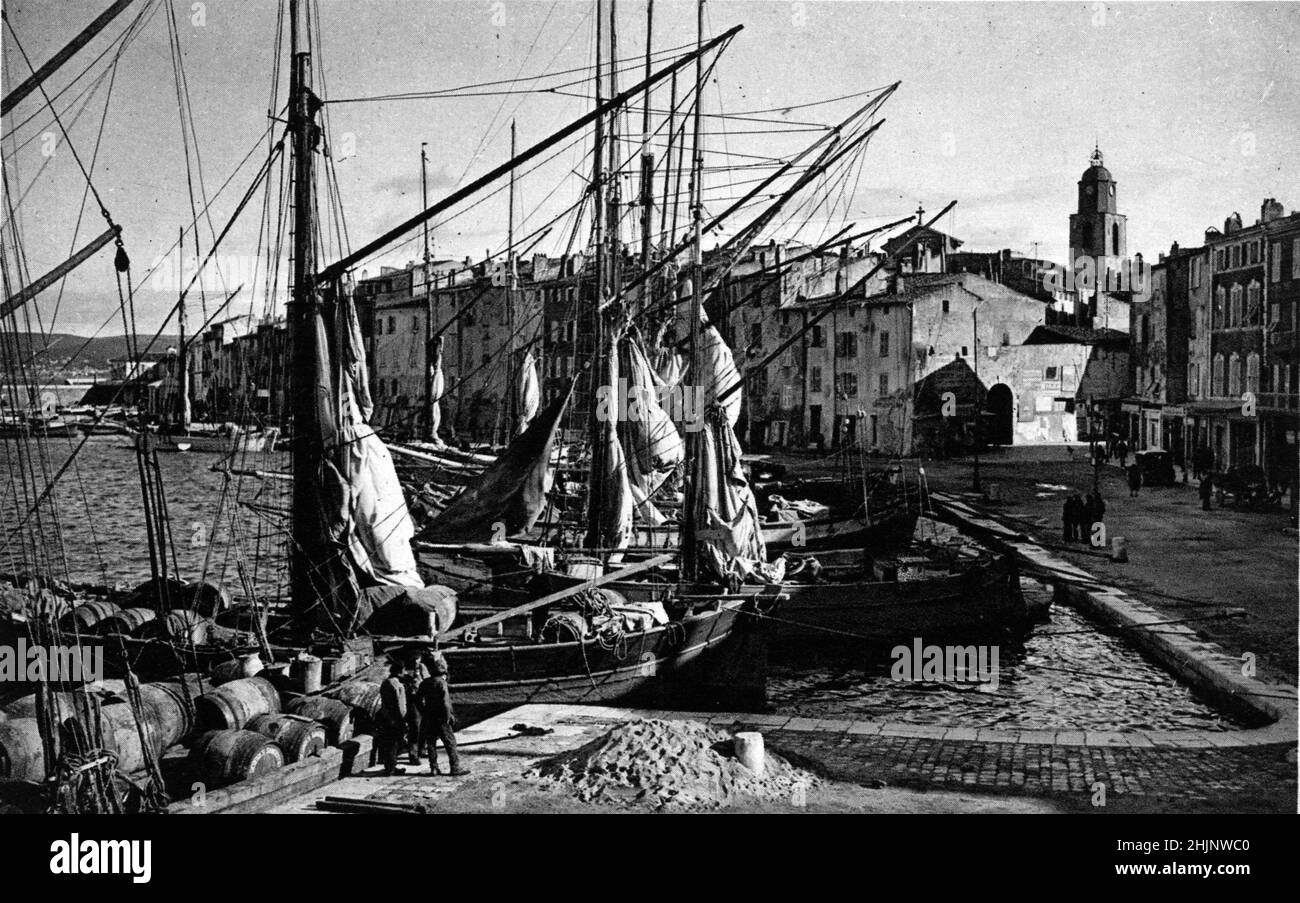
x=380, y=528
x=718, y=373
x=646, y=428
x=511, y=492
x=433, y=416
x=529, y=392
x=728, y=529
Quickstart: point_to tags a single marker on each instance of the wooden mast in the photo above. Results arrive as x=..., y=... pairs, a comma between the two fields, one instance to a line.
x=647, y=156
x=595, y=481
x=690, y=553
x=182, y=359
x=430, y=433
x=512, y=366
x=308, y=444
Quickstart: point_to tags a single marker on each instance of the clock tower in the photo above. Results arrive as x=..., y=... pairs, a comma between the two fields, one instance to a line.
x=1098, y=230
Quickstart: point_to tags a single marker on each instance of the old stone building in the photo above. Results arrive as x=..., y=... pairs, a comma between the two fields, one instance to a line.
x=1247, y=410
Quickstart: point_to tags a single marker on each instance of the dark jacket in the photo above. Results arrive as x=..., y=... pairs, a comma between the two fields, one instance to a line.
x=435, y=700
x=392, y=702
x=1134, y=477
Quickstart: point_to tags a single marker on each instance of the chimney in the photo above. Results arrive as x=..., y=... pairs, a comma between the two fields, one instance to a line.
x=1271, y=210
x=1232, y=224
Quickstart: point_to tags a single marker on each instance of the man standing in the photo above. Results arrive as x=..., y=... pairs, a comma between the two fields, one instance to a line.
x=392, y=719
x=439, y=719
x=1121, y=449
x=1207, y=488
x=1070, y=518
x=1134, y=480
x=1078, y=521
x=411, y=679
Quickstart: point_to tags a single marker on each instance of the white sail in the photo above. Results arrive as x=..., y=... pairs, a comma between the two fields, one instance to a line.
x=379, y=529
x=438, y=387
x=529, y=392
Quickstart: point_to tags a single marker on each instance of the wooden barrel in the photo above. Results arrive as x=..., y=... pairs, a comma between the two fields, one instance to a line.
x=221, y=758
x=232, y=705
x=170, y=713
x=86, y=616
x=298, y=738
x=184, y=626
x=121, y=735
x=126, y=620
x=363, y=696
x=207, y=597
x=334, y=714
x=22, y=755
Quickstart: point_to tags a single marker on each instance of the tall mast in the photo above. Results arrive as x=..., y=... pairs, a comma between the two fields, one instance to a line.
x=182, y=358
x=612, y=192
x=308, y=444
x=595, y=483
x=689, y=550
x=512, y=366
x=429, y=431
x=647, y=157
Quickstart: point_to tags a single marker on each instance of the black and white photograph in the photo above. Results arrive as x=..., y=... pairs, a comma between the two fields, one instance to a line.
x=649, y=407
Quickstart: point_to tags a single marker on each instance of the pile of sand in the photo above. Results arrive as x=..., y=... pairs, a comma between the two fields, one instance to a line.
x=673, y=764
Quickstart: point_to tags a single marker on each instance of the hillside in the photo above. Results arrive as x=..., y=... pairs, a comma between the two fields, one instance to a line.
x=64, y=352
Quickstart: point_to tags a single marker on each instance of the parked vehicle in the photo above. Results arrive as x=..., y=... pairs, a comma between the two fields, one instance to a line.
x=1157, y=467
x=1243, y=484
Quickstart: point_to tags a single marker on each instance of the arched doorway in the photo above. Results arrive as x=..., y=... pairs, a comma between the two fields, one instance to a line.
x=1000, y=407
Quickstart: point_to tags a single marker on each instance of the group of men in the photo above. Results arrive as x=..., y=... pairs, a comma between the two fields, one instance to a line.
x=1080, y=514
x=415, y=712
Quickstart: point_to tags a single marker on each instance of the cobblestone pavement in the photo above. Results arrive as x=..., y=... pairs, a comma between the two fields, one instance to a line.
x=1257, y=779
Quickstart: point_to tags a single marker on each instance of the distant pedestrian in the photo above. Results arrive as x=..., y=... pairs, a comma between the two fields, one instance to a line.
x=1121, y=451
x=439, y=718
x=1070, y=518
x=411, y=684
x=1134, y=480
x=1207, y=488
x=1079, y=517
x=1203, y=461
x=392, y=719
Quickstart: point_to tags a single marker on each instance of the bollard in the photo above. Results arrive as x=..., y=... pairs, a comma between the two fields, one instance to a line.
x=1118, y=549
x=749, y=750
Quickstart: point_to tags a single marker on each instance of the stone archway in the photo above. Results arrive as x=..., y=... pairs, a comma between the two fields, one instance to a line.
x=1001, y=411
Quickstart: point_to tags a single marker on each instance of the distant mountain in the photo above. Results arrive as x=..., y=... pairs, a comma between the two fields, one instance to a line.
x=68, y=353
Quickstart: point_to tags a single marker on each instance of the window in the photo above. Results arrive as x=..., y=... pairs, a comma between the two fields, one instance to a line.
x=392, y=325
x=1252, y=304
x=945, y=305
x=1196, y=272
x=817, y=340
x=1236, y=256
x=1216, y=378
x=1254, y=252
x=1219, y=259
x=1087, y=238
x=1252, y=373
x=755, y=334
x=1235, y=317
x=1051, y=373
x=846, y=345
x=1234, y=374
x=1276, y=269
x=964, y=351
x=1220, y=297
x=1006, y=339
x=1192, y=386
x=815, y=380
x=884, y=344
x=415, y=324
x=884, y=384
x=846, y=385
x=1114, y=238
x=1295, y=258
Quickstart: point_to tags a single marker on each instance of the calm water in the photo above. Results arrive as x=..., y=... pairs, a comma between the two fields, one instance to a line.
x=100, y=509
x=1067, y=673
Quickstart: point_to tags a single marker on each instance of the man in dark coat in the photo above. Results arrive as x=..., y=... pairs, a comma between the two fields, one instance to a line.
x=391, y=723
x=1121, y=450
x=411, y=679
x=1206, y=490
x=1070, y=518
x=439, y=719
x=1134, y=480
x=1079, y=522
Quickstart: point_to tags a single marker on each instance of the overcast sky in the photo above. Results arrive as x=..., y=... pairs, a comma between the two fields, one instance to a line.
x=1194, y=106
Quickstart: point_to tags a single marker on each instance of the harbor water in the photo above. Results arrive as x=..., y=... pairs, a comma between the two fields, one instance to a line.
x=1068, y=672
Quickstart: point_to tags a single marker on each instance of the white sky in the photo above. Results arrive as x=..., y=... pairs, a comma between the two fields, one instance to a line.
x=1194, y=104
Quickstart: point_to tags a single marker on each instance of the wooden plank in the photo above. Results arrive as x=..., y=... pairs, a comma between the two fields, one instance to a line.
x=620, y=574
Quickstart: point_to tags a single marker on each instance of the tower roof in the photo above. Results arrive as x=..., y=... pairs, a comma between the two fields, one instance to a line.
x=1096, y=172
